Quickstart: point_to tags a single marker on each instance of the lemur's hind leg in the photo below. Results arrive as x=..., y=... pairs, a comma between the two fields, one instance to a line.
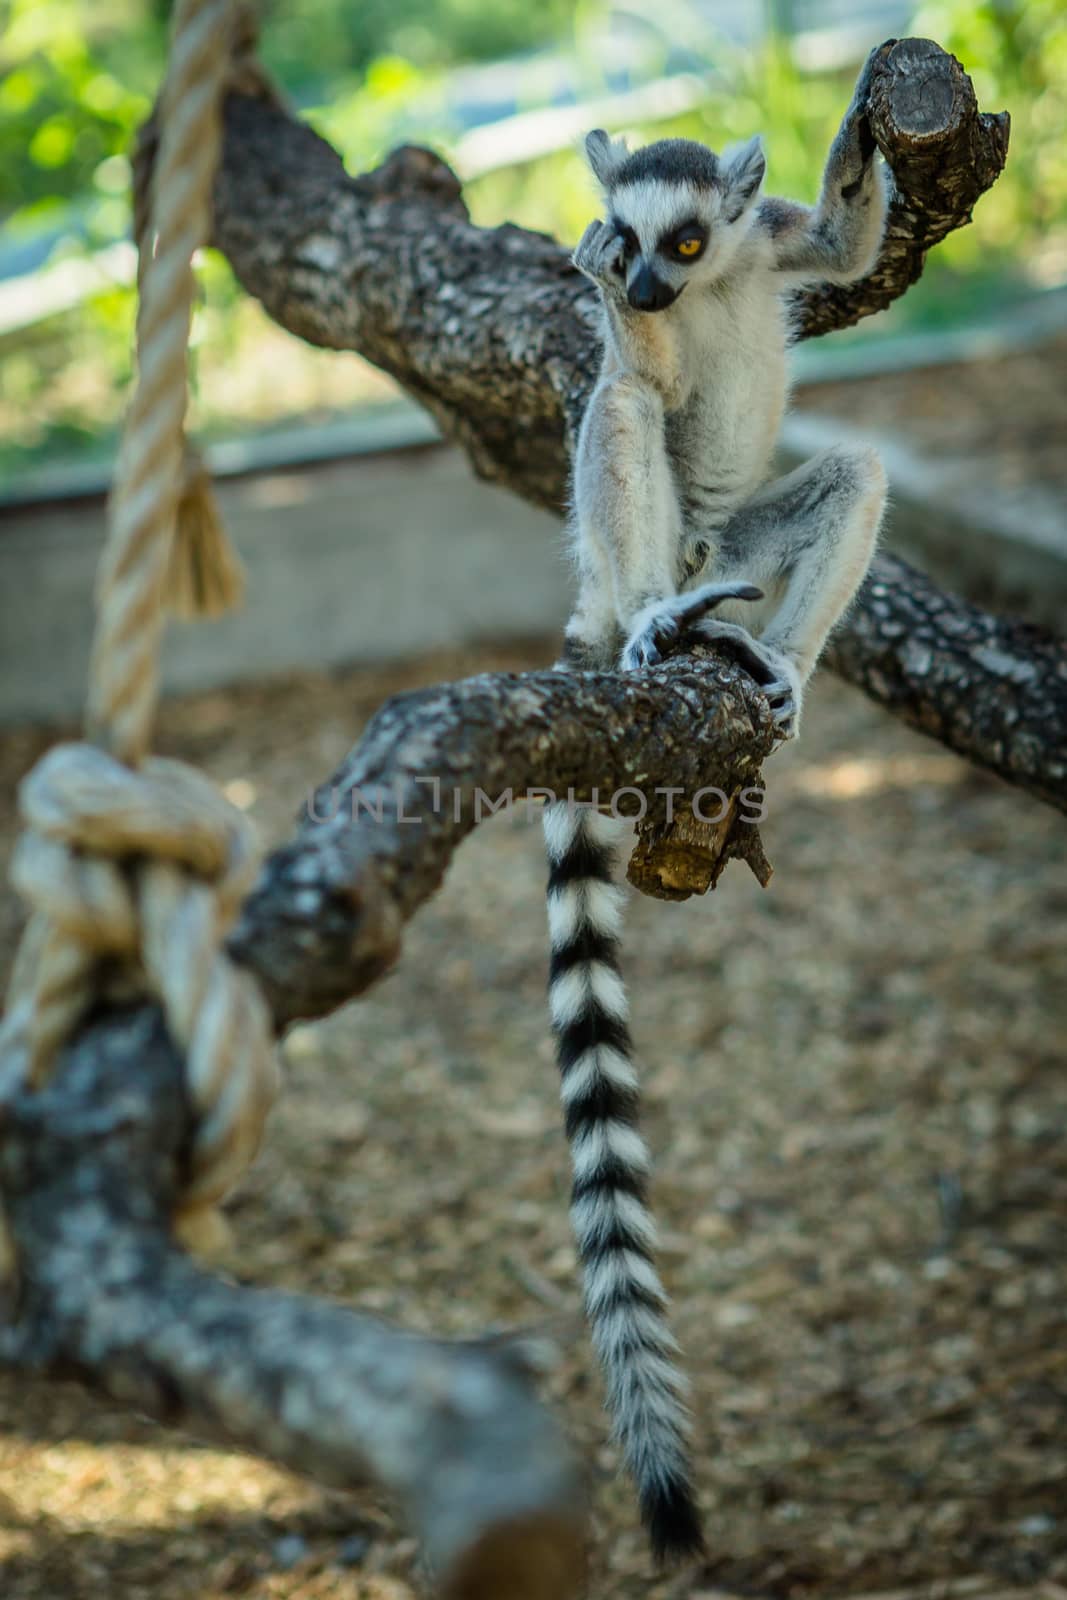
x=628, y=521
x=807, y=540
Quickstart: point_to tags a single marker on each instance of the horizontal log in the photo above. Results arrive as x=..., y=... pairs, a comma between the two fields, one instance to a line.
x=89, y=1171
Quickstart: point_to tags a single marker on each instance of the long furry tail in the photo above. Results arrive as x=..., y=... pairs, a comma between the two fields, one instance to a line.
x=625, y=1302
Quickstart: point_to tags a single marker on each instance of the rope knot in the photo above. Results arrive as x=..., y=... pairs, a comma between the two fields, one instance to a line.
x=145, y=869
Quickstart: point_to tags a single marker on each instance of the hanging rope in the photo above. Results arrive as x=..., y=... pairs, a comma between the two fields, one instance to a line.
x=204, y=577
x=133, y=866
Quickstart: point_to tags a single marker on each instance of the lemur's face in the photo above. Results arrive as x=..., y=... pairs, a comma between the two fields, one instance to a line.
x=680, y=211
x=667, y=230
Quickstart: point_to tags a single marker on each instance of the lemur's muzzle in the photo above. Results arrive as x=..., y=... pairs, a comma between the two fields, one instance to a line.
x=649, y=293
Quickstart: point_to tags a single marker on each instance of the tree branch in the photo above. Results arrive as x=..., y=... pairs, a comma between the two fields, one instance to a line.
x=944, y=154
x=992, y=689
x=89, y=1172
x=325, y=920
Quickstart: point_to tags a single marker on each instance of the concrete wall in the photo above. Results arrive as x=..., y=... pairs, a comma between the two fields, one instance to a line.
x=400, y=549
x=358, y=560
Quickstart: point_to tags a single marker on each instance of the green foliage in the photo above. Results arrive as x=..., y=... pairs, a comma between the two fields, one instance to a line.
x=76, y=79
x=1017, y=55
x=320, y=43
x=74, y=82
x=77, y=76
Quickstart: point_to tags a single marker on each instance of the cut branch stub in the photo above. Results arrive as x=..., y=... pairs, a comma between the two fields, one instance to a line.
x=943, y=154
x=924, y=111
x=688, y=855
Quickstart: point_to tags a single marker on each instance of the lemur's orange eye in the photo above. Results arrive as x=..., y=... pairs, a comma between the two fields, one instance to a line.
x=689, y=247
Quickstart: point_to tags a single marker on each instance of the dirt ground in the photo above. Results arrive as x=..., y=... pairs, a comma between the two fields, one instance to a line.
x=856, y=1096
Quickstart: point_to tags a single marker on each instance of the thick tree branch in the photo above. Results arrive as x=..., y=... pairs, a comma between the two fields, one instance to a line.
x=991, y=688
x=89, y=1173
x=325, y=920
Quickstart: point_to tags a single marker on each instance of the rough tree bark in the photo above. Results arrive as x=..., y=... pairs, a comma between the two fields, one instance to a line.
x=494, y=332
x=325, y=920
x=991, y=688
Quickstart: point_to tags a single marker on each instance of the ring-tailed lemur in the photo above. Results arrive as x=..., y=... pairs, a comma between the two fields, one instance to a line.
x=673, y=518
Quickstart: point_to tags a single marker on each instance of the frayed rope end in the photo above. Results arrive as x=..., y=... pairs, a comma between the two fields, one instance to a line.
x=206, y=577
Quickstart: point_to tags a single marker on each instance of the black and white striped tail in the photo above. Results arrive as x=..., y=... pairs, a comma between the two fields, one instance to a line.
x=625, y=1301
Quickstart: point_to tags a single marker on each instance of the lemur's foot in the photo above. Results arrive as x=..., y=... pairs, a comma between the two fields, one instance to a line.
x=658, y=629
x=784, y=696
x=600, y=255
x=771, y=668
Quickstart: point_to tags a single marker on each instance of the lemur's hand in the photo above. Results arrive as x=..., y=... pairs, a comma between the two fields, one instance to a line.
x=600, y=256
x=854, y=146
x=659, y=629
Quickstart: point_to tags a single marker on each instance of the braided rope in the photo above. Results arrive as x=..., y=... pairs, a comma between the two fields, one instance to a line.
x=135, y=866
x=130, y=583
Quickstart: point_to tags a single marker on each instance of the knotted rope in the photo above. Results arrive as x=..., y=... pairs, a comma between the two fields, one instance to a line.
x=134, y=866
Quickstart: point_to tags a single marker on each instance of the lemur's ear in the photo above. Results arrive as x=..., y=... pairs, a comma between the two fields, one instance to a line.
x=742, y=173
x=605, y=156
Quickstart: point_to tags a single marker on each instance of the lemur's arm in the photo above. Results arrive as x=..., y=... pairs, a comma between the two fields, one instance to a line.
x=644, y=345
x=626, y=519
x=838, y=239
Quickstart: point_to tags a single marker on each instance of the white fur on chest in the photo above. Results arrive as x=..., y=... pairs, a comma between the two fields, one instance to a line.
x=735, y=348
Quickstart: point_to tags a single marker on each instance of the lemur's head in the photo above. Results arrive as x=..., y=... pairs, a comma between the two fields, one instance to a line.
x=682, y=210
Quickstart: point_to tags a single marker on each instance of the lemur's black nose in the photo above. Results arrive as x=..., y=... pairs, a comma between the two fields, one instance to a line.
x=649, y=293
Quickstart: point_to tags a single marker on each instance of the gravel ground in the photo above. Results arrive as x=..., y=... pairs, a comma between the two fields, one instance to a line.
x=856, y=1097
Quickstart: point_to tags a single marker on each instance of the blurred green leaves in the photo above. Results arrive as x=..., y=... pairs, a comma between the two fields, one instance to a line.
x=75, y=79
x=1017, y=55
x=314, y=44
x=77, y=76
